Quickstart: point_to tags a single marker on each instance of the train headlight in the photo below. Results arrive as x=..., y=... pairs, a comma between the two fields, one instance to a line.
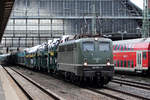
x=108, y=64
x=96, y=39
x=85, y=64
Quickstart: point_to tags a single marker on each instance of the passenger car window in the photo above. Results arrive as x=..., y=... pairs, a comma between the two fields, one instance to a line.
x=125, y=48
x=115, y=47
x=104, y=46
x=115, y=63
x=122, y=48
x=121, y=63
x=118, y=63
x=118, y=47
x=144, y=55
x=132, y=64
x=88, y=46
x=125, y=63
x=128, y=63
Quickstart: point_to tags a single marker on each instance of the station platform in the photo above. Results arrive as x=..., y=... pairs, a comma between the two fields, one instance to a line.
x=8, y=88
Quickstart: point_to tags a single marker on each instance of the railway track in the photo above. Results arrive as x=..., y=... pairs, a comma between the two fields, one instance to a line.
x=42, y=93
x=131, y=83
x=118, y=94
x=111, y=92
x=106, y=94
x=115, y=93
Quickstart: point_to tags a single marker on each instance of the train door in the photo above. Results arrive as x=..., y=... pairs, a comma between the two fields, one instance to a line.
x=139, y=60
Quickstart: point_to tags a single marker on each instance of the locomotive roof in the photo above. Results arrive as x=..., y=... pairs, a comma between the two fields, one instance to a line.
x=84, y=40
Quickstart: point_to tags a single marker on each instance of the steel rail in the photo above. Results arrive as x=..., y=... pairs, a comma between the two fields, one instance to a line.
x=106, y=94
x=127, y=93
x=54, y=96
x=17, y=83
x=132, y=83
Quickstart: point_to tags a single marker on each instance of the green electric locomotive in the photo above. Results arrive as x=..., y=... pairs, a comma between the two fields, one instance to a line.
x=86, y=59
x=81, y=60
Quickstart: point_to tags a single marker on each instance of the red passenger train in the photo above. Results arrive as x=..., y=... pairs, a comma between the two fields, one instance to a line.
x=132, y=55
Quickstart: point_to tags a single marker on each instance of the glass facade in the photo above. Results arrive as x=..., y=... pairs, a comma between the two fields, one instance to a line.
x=35, y=21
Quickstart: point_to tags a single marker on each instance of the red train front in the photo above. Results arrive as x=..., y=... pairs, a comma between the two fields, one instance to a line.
x=132, y=55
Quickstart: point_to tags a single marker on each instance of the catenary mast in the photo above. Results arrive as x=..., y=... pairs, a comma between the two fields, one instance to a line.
x=145, y=27
x=94, y=18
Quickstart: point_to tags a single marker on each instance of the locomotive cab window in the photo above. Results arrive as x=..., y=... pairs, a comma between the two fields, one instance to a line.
x=88, y=46
x=104, y=46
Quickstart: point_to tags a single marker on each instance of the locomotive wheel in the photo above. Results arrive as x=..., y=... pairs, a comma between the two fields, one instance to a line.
x=48, y=70
x=67, y=77
x=72, y=77
x=39, y=68
x=76, y=80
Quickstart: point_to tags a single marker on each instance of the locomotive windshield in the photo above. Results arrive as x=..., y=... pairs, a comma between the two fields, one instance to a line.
x=104, y=46
x=88, y=46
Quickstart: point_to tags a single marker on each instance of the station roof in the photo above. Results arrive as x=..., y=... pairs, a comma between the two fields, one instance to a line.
x=5, y=11
x=7, y=5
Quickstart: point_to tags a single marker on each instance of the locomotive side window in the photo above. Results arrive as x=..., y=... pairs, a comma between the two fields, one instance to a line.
x=144, y=55
x=104, y=46
x=88, y=46
x=70, y=48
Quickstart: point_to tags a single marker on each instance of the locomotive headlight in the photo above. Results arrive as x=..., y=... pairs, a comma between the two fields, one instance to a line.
x=96, y=39
x=108, y=64
x=85, y=64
